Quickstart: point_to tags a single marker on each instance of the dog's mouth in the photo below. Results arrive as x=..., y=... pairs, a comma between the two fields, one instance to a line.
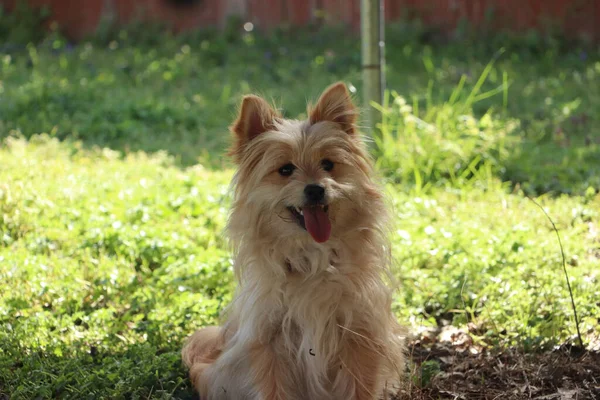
x=314, y=219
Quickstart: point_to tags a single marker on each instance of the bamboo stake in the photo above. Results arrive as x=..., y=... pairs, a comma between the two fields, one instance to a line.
x=372, y=32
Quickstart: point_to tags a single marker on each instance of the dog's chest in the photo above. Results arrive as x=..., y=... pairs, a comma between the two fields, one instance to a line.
x=316, y=304
x=312, y=290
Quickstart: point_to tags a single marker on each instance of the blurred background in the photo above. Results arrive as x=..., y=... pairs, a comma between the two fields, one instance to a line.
x=114, y=189
x=578, y=18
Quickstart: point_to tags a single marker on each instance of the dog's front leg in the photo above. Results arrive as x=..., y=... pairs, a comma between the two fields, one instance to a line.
x=359, y=377
x=270, y=373
x=200, y=352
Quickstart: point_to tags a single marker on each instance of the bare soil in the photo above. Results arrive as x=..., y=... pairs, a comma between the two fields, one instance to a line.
x=444, y=370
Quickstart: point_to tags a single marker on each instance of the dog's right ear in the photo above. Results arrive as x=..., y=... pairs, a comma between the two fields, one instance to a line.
x=256, y=116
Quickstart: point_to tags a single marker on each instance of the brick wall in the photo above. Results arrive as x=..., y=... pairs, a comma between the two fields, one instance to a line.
x=78, y=18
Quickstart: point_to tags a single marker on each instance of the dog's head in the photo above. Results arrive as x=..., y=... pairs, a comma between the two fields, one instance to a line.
x=302, y=179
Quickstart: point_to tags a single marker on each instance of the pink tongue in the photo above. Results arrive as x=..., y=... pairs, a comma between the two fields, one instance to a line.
x=317, y=223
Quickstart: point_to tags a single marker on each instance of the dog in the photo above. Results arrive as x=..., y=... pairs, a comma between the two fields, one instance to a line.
x=311, y=317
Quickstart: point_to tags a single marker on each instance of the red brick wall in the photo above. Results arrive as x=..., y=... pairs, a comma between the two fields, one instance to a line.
x=78, y=18
x=577, y=17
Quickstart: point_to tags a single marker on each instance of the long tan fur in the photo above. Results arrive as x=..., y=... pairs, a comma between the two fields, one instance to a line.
x=309, y=321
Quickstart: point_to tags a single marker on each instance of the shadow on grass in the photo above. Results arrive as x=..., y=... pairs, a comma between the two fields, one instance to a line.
x=439, y=371
x=90, y=372
x=557, y=163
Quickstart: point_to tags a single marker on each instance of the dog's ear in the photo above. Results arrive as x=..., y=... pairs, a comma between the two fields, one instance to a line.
x=335, y=105
x=256, y=116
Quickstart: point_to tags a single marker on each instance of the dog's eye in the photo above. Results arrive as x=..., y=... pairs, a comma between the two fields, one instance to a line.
x=287, y=170
x=327, y=165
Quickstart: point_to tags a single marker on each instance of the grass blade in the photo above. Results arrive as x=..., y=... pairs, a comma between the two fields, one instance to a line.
x=564, y=265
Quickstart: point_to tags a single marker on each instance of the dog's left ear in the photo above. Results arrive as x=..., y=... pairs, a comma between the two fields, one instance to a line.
x=335, y=105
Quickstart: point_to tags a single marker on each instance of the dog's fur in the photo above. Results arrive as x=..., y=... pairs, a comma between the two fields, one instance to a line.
x=310, y=320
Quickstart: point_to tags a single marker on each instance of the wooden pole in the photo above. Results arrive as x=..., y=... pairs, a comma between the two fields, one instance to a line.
x=233, y=8
x=372, y=28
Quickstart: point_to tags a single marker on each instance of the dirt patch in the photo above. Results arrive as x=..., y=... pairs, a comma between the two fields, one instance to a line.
x=446, y=371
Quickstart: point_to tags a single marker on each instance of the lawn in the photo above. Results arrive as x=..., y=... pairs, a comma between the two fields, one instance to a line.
x=114, y=195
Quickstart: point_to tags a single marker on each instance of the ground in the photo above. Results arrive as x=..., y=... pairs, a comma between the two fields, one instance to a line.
x=114, y=195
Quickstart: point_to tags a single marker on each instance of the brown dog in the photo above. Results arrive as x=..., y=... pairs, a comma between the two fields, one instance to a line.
x=311, y=318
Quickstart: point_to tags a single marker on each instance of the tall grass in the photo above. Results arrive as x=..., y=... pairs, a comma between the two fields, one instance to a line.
x=445, y=143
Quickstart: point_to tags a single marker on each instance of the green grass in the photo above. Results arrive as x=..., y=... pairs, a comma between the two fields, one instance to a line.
x=112, y=253
x=156, y=92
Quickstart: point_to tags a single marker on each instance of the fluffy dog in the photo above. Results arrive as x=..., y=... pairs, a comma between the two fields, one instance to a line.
x=311, y=318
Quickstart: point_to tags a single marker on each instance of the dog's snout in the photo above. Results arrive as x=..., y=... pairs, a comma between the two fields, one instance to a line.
x=315, y=194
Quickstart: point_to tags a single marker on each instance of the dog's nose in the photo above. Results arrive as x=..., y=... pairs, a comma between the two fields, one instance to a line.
x=315, y=194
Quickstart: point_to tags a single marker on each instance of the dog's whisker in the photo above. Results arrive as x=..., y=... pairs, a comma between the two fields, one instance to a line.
x=286, y=219
x=348, y=198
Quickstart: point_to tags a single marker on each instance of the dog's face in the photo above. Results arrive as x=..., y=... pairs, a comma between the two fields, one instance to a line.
x=303, y=179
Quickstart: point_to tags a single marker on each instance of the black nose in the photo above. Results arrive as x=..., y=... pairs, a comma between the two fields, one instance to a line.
x=315, y=194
